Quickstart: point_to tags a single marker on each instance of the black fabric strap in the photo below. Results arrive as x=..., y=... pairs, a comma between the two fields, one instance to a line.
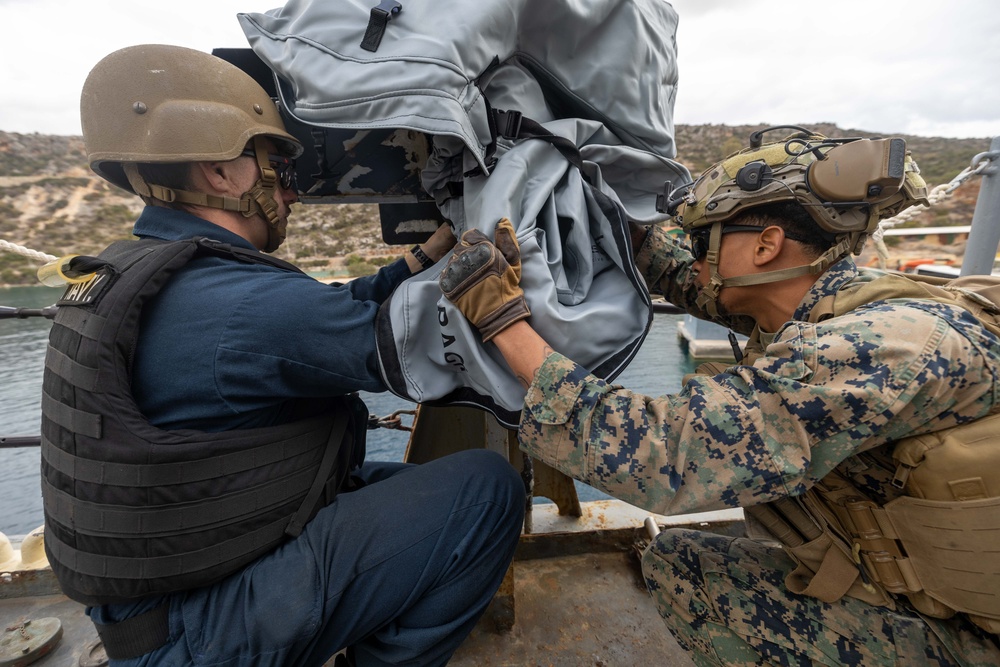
x=245, y=255
x=125, y=522
x=136, y=636
x=71, y=419
x=330, y=456
x=143, y=475
x=78, y=375
x=84, y=322
x=241, y=549
x=530, y=129
x=377, y=22
x=512, y=125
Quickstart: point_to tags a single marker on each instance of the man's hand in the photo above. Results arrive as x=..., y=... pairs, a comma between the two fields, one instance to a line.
x=430, y=251
x=438, y=245
x=482, y=279
x=638, y=234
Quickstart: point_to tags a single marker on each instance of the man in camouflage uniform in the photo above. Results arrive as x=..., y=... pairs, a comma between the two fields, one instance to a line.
x=811, y=398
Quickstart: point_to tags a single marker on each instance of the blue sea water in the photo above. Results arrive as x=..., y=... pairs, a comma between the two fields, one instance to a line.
x=656, y=369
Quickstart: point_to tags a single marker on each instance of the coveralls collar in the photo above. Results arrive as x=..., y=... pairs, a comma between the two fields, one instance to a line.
x=172, y=225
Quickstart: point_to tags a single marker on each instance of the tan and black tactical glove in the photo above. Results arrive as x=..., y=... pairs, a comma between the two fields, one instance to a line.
x=482, y=279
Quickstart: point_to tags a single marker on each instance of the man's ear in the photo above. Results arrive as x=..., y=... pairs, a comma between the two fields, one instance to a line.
x=217, y=175
x=769, y=245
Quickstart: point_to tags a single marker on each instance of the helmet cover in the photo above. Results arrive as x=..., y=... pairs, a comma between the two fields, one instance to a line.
x=846, y=185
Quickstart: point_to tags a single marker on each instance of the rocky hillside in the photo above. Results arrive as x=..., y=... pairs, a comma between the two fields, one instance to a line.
x=939, y=159
x=51, y=202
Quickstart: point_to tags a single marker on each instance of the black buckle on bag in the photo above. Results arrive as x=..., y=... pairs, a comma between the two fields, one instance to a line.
x=508, y=124
x=377, y=22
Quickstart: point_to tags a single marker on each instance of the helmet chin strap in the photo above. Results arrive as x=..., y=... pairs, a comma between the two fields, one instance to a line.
x=259, y=199
x=708, y=297
x=262, y=195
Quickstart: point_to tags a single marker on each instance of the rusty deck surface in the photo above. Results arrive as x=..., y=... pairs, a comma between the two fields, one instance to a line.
x=578, y=596
x=586, y=609
x=574, y=596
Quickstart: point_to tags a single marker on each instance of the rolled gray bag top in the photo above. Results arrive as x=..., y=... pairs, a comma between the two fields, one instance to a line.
x=556, y=116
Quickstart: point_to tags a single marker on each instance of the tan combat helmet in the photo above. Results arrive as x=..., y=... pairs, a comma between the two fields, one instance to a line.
x=167, y=104
x=845, y=185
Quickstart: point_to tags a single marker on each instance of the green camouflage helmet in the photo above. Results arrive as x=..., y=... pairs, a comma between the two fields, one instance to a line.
x=846, y=185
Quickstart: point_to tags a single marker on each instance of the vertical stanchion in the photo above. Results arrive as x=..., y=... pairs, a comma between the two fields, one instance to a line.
x=984, y=237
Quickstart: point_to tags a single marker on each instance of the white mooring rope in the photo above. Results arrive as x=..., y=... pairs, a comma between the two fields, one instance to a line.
x=937, y=195
x=26, y=252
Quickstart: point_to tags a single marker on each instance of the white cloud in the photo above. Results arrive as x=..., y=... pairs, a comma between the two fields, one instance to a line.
x=908, y=66
x=50, y=46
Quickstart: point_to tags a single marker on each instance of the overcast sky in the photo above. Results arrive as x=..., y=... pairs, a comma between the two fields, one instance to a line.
x=923, y=67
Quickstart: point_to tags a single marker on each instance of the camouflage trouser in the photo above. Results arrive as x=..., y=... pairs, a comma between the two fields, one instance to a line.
x=725, y=601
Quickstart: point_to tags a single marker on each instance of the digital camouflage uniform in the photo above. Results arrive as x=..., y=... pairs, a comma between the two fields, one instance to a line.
x=824, y=396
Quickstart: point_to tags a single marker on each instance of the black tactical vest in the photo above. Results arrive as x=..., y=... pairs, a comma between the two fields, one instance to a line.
x=132, y=510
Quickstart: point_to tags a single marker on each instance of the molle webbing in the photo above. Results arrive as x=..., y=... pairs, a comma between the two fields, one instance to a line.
x=940, y=543
x=98, y=519
x=181, y=472
x=87, y=324
x=980, y=295
x=74, y=421
x=949, y=522
x=132, y=510
x=78, y=375
x=138, y=569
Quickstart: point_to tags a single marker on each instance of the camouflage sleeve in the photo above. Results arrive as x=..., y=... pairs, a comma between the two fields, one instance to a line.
x=756, y=433
x=665, y=262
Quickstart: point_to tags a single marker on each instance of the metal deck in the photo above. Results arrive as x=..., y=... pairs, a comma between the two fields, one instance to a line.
x=574, y=596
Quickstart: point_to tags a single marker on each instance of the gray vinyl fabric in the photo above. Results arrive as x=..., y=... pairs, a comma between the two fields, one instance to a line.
x=599, y=73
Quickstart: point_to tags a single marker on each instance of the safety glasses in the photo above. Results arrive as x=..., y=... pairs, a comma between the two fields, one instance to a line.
x=700, y=236
x=283, y=166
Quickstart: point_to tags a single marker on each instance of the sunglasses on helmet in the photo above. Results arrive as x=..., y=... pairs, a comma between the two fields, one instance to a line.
x=283, y=166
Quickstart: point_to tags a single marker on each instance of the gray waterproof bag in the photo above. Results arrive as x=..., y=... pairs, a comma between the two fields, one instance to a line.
x=556, y=115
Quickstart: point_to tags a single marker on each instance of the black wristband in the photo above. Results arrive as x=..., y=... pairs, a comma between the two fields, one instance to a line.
x=425, y=261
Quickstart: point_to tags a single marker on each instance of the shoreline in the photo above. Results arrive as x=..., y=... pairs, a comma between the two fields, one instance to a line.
x=326, y=279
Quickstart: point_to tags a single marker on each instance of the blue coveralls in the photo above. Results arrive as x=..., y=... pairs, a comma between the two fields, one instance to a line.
x=402, y=568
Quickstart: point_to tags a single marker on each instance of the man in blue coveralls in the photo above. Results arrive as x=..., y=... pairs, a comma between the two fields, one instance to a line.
x=395, y=561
